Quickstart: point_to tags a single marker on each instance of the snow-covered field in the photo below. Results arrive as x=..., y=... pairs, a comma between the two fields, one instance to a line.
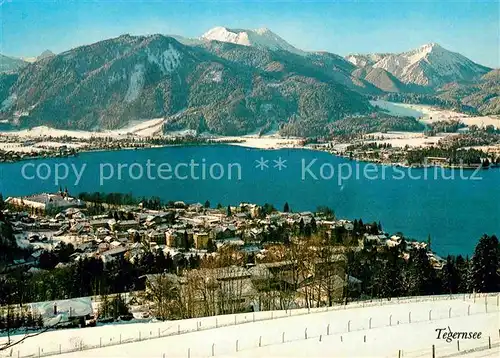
x=403, y=139
x=138, y=128
x=265, y=142
x=379, y=329
x=429, y=114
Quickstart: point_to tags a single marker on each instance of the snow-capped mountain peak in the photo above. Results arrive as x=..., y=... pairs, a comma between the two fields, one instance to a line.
x=427, y=65
x=260, y=38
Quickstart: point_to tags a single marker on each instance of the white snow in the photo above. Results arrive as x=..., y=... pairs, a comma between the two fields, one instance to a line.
x=397, y=109
x=429, y=64
x=136, y=83
x=260, y=38
x=385, y=324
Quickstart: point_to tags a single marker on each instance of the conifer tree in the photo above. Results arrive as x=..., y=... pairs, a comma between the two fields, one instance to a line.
x=485, y=265
x=286, y=208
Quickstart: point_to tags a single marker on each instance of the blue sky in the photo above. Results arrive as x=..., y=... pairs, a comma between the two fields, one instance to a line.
x=470, y=27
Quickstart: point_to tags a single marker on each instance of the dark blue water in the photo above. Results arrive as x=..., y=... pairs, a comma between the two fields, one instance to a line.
x=455, y=212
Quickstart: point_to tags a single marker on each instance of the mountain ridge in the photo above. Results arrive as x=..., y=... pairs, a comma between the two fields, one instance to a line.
x=229, y=81
x=429, y=65
x=107, y=84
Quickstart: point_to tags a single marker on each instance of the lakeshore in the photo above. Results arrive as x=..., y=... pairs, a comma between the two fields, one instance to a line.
x=387, y=148
x=385, y=196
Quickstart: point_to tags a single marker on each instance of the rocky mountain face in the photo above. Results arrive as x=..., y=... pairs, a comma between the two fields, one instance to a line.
x=427, y=67
x=228, y=82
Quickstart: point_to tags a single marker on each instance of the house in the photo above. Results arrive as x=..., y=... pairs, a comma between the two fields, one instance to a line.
x=99, y=223
x=125, y=225
x=200, y=240
x=155, y=236
x=47, y=201
x=212, y=291
x=113, y=254
x=64, y=312
x=223, y=232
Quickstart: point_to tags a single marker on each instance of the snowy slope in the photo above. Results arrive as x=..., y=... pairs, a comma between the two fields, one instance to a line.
x=429, y=65
x=260, y=38
x=361, y=60
x=388, y=326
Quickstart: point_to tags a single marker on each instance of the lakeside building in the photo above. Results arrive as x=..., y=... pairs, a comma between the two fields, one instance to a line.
x=46, y=201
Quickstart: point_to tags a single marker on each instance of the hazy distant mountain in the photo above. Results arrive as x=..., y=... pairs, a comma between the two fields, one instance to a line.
x=45, y=54
x=260, y=38
x=109, y=83
x=8, y=64
x=429, y=65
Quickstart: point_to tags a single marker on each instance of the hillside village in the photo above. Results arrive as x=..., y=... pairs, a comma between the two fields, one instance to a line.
x=219, y=260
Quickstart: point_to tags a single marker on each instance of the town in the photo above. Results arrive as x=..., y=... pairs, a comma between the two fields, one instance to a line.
x=97, y=258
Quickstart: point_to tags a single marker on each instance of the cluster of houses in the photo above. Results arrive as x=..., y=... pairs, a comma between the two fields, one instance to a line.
x=183, y=230
x=179, y=231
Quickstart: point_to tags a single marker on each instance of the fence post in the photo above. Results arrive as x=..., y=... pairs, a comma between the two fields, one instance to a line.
x=486, y=306
x=370, y=323
x=254, y=316
x=305, y=334
x=349, y=326
x=489, y=342
x=139, y=336
x=433, y=351
x=399, y=353
x=235, y=320
x=100, y=343
x=328, y=330
x=120, y=338
x=260, y=341
x=458, y=346
x=213, y=349
x=468, y=310
x=430, y=315
x=449, y=312
x=216, y=323
x=38, y=352
x=178, y=329
x=497, y=298
x=159, y=333
x=189, y=352
x=390, y=320
x=283, y=337
x=320, y=337
x=409, y=317
x=60, y=351
x=236, y=345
